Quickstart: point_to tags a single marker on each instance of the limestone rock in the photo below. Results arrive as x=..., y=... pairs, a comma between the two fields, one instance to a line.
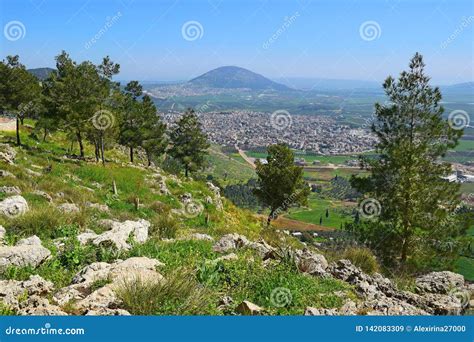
x=118, y=234
x=107, y=312
x=229, y=242
x=439, y=282
x=311, y=263
x=3, y=232
x=12, y=290
x=98, y=206
x=13, y=206
x=249, y=309
x=39, y=306
x=4, y=173
x=43, y=194
x=27, y=252
x=7, y=153
x=68, y=208
x=11, y=190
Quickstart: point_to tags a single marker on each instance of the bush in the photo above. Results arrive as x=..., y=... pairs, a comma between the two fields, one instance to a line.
x=164, y=226
x=362, y=257
x=179, y=294
x=42, y=222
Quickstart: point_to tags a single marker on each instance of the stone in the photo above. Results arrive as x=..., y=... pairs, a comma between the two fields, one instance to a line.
x=227, y=257
x=27, y=252
x=310, y=311
x=98, y=206
x=117, y=274
x=249, y=309
x=4, y=173
x=33, y=173
x=39, y=306
x=311, y=263
x=7, y=153
x=12, y=290
x=3, y=232
x=107, y=312
x=439, y=282
x=43, y=194
x=229, y=242
x=264, y=250
x=119, y=233
x=11, y=190
x=13, y=206
x=68, y=208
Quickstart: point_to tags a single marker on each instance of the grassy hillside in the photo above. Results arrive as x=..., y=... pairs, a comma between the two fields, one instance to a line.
x=189, y=266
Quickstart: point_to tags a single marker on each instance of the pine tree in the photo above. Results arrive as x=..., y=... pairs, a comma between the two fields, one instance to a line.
x=19, y=91
x=407, y=177
x=189, y=143
x=280, y=182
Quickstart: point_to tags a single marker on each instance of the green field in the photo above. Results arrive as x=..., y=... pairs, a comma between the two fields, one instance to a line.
x=338, y=212
x=309, y=158
x=227, y=168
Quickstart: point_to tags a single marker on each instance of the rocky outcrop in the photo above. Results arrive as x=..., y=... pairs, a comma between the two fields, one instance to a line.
x=11, y=190
x=249, y=309
x=3, y=232
x=100, y=207
x=104, y=299
x=119, y=233
x=43, y=194
x=217, y=195
x=4, y=173
x=39, y=306
x=27, y=252
x=13, y=206
x=381, y=297
x=12, y=290
x=439, y=282
x=229, y=242
x=68, y=208
x=7, y=153
x=311, y=263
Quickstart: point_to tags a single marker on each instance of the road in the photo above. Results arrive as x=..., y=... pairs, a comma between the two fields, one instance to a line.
x=245, y=157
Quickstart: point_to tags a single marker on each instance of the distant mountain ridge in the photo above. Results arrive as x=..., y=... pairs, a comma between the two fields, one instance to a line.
x=235, y=77
x=41, y=73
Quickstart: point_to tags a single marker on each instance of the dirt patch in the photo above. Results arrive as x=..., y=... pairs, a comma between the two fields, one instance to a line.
x=7, y=124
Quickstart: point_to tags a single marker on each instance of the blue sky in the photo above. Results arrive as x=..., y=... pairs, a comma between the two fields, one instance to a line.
x=321, y=39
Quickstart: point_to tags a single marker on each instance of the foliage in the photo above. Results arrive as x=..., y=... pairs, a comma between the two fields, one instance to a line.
x=189, y=143
x=178, y=294
x=406, y=180
x=363, y=258
x=280, y=182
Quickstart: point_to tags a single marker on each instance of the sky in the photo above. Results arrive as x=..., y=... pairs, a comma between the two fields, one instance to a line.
x=173, y=40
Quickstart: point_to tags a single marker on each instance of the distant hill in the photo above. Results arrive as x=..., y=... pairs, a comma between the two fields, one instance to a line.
x=467, y=87
x=41, y=73
x=235, y=77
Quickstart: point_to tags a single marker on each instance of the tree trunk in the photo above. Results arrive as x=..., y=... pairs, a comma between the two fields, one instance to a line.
x=186, y=171
x=21, y=120
x=45, y=134
x=131, y=154
x=270, y=217
x=102, y=148
x=18, y=141
x=81, y=146
x=96, y=150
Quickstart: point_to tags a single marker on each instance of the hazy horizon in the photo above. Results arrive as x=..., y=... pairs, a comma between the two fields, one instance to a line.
x=176, y=40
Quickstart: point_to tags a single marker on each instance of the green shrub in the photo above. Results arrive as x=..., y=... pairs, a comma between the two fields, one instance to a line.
x=6, y=310
x=42, y=221
x=362, y=257
x=179, y=294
